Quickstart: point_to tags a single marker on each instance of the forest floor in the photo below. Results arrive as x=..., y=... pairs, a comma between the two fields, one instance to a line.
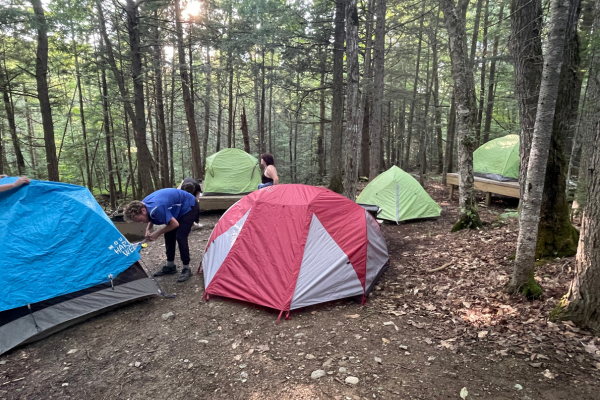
x=422, y=335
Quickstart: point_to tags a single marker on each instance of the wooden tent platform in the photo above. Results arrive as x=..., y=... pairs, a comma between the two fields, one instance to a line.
x=218, y=202
x=488, y=186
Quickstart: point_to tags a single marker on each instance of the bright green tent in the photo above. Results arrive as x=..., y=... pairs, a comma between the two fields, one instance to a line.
x=231, y=171
x=399, y=196
x=498, y=159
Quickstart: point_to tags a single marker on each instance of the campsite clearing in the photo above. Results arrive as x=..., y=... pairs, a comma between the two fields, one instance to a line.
x=422, y=335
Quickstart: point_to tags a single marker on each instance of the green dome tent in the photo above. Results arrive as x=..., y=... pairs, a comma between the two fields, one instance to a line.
x=399, y=196
x=231, y=171
x=498, y=159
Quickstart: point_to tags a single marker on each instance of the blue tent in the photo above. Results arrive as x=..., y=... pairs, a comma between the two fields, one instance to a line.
x=62, y=259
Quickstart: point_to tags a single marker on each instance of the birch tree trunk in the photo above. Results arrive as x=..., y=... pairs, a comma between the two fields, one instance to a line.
x=353, y=108
x=523, y=280
x=378, y=75
x=466, y=115
x=337, y=106
x=41, y=76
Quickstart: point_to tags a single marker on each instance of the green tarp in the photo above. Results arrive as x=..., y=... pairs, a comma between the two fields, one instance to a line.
x=399, y=196
x=498, y=159
x=231, y=171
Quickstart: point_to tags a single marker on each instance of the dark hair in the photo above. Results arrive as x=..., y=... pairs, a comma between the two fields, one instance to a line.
x=189, y=187
x=269, y=160
x=132, y=209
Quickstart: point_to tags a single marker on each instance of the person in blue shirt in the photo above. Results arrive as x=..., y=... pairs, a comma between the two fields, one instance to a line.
x=177, y=210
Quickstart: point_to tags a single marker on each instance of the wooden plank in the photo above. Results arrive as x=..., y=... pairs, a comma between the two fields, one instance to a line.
x=510, y=189
x=218, y=202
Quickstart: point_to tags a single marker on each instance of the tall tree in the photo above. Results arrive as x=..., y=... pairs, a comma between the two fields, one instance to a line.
x=466, y=115
x=582, y=302
x=161, y=125
x=353, y=109
x=82, y=115
x=187, y=96
x=411, y=113
x=436, y=97
x=523, y=280
x=526, y=47
x=366, y=92
x=337, y=106
x=556, y=236
x=378, y=75
x=10, y=116
x=41, y=77
x=489, y=111
x=486, y=14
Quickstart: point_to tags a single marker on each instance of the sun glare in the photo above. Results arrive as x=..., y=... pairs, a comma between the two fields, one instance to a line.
x=191, y=9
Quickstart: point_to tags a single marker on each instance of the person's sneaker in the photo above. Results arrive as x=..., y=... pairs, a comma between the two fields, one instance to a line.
x=186, y=273
x=166, y=271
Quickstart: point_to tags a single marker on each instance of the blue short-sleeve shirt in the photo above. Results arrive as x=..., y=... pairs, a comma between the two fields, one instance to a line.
x=165, y=204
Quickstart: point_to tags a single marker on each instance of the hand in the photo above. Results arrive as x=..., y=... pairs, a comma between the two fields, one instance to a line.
x=152, y=237
x=22, y=181
x=3, y=176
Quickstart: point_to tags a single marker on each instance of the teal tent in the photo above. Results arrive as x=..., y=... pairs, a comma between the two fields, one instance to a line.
x=231, y=171
x=399, y=196
x=498, y=159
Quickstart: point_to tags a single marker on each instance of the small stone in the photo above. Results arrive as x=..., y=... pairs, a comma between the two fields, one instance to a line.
x=242, y=366
x=2, y=362
x=238, y=357
x=329, y=372
x=407, y=353
x=317, y=374
x=536, y=365
x=186, y=361
x=65, y=384
x=597, y=365
x=431, y=358
x=137, y=364
x=518, y=387
x=190, y=365
x=203, y=341
x=328, y=363
x=310, y=357
x=244, y=376
x=342, y=370
x=388, y=323
x=352, y=380
x=378, y=360
x=72, y=351
x=168, y=316
x=378, y=287
x=403, y=347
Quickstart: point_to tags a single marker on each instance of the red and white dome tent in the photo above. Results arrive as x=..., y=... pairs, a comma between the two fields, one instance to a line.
x=292, y=246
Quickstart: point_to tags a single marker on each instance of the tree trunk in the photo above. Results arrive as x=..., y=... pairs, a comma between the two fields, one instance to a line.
x=351, y=147
x=436, y=99
x=82, y=118
x=526, y=47
x=144, y=157
x=483, y=65
x=161, y=126
x=31, y=134
x=337, y=106
x=187, y=97
x=378, y=75
x=172, y=129
x=475, y=33
x=263, y=147
x=450, y=133
x=582, y=302
x=411, y=113
x=230, y=105
x=10, y=116
x=41, y=76
x=245, y=134
x=489, y=112
x=423, y=139
x=111, y=179
x=523, y=280
x=220, y=103
x=556, y=236
x=206, y=108
x=366, y=92
x=271, y=110
x=464, y=90
x=321, y=136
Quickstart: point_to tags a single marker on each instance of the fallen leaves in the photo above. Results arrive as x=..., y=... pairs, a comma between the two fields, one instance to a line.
x=353, y=316
x=549, y=374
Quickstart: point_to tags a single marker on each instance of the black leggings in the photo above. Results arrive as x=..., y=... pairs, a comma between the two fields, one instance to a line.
x=180, y=235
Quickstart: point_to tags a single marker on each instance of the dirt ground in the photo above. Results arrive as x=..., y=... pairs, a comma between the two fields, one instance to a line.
x=421, y=335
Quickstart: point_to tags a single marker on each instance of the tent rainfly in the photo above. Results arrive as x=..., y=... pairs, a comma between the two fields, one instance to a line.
x=400, y=197
x=231, y=171
x=63, y=262
x=292, y=246
x=498, y=159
